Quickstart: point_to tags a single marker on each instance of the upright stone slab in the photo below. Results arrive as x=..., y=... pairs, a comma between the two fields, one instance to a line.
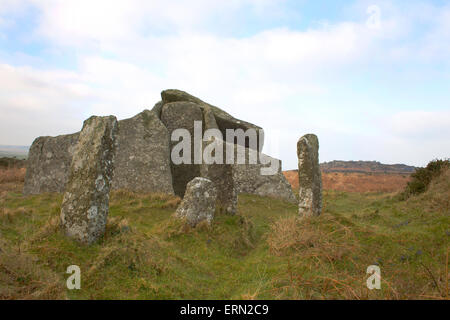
x=48, y=163
x=142, y=162
x=85, y=204
x=309, y=176
x=221, y=174
x=199, y=202
x=182, y=115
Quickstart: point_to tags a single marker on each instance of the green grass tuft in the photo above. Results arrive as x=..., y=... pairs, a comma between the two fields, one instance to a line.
x=264, y=252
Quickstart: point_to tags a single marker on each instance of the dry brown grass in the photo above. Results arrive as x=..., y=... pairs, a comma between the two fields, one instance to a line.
x=267, y=252
x=8, y=187
x=9, y=215
x=286, y=235
x=16, y=175
x=356, y=182
x=11, y=180
x=50, y=227
x=438, y=194
x=326, y=258
x=303, y=235
x=160, y=200
x=22, y=278
x=313, y=245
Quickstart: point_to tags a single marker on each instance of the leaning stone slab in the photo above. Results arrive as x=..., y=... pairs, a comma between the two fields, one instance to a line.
x=48, y=163
x=309, y=176
x=157, y=108
x=248, y=179
x=199, y=202
x=224, y=120
x=142, y=161
x=85, y=204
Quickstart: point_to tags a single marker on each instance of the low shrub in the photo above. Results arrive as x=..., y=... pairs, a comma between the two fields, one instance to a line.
x=420, y=180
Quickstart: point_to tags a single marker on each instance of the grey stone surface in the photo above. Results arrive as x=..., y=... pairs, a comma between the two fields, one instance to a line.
x=48, y=163
x=221, y=174
x=199, y=202
x=309, y=176
x=85, y=205
x=177, y=115
x=143, y=156
x=248, y=179
x=157, y=108
x=143, y=162
x=223, y=119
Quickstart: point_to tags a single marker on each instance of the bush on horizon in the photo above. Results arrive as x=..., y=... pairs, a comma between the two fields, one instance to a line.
x=420, y=180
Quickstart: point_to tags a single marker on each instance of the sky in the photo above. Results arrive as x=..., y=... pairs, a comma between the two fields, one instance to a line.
x=370, y=78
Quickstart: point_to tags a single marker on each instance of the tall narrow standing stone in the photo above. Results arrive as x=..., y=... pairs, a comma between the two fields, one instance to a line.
x=309, y=176
x=85, y=205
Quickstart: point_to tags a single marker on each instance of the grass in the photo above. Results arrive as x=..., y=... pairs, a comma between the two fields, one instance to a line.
x=357, y=181
x=12, y=175
x=264, y=252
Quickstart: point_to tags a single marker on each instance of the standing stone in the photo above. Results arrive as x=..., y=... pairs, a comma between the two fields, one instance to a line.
x=48, y=163
x=85, y=204
x=309, y=176
x=199, y=202
x=142, y=161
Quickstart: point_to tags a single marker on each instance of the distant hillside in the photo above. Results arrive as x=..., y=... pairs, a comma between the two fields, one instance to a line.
x=8, y=162
x=359, y=176
x=365, y=167
x=20, y=152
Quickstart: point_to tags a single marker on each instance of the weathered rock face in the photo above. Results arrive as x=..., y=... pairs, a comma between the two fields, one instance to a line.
x=181, y=115
x=199, y=202
x=85, y=204
x=223, y=119
x=228, y=179
x=48, y=163
x=221, y=174
x=248, y=179
x=143, y=157
x=157, y=108
x=309, y=176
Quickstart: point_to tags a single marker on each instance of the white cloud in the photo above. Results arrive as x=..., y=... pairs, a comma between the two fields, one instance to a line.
x=127, y=52
x=421, y=125
x=95, y=22
x=36, y=102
